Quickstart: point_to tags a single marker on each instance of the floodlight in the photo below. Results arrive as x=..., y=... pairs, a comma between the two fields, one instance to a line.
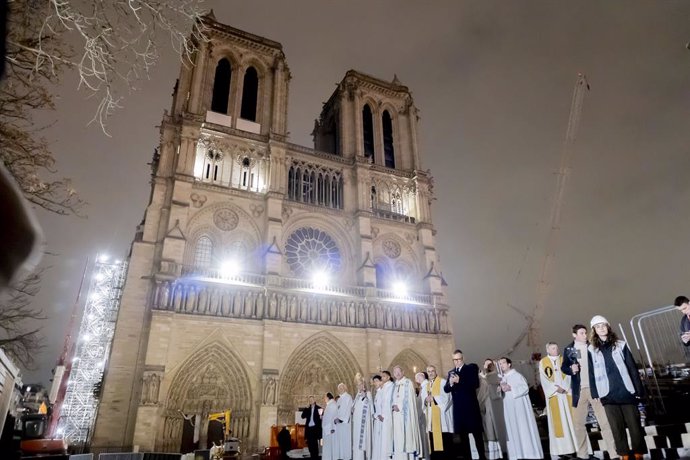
x=103, y=258
x=99, y=277
x=229, y=269
x=400, y=289
x=319, y=279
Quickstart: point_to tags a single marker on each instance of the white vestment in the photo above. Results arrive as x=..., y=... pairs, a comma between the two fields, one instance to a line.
x=343, y=430
x=422, y=421
x=521, y=426
x=444, y=401
x=407, y=443
x=361, y=426
x=329, y=448
x=382, y=439
x=558, y=406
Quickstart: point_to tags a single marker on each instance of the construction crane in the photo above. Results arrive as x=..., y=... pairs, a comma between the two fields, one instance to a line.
x=533, y=330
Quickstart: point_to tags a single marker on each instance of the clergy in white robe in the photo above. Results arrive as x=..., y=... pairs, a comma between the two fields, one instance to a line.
x=438, y=411
x=382, y=438
x=343, y=425
x=556, y=386
x=329, y=449
x=521, y=426
x=407, y=443
x=422, y=381
x=361, y=423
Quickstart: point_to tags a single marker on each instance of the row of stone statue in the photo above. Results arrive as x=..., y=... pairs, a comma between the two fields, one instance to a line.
x=246, y=303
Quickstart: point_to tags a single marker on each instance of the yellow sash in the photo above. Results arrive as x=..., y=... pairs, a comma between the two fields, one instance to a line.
x=554, y=408
x=436, y=415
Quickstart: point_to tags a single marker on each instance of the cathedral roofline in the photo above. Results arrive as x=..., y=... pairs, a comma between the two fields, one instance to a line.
x=393, y=85
x=211, y=22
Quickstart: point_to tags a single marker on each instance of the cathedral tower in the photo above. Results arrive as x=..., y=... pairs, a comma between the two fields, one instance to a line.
x=266, y=271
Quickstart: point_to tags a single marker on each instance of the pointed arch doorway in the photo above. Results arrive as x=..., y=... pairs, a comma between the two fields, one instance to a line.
x=212, y=379
x=317, y=366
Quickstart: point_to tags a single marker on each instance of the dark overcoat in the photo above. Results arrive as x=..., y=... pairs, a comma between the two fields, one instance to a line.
x=467, y=418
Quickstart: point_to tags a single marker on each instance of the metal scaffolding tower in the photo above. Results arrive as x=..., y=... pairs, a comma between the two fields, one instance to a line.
x=95, y=336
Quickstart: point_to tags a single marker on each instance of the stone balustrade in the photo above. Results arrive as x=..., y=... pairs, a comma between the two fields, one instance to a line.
x=297, y=301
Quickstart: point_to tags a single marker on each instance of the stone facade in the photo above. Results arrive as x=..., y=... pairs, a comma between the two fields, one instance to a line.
x=265, y=271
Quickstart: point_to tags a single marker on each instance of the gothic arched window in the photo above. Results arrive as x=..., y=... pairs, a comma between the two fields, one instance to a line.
x=368, y=131
x=221, y=87
x=203, y=252
x=250, y=94
x=388, y=150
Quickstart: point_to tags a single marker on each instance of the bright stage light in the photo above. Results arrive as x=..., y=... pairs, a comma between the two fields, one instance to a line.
x=86, y=337
x=400, y=289
x=103, y=258
x=229, y=269
x=319, y=280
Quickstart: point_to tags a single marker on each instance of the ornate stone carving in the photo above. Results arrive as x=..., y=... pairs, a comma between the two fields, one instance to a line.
x=256, y=210
x=410, y=238
x=150, y=387
x=270, y=387
x=226, y=219
x=391, y=248
x=287, y=212
x=308, y=249
x=198, y=200
x=374, y=232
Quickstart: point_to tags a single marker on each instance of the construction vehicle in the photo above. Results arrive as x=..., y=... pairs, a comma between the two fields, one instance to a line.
x=230, y=448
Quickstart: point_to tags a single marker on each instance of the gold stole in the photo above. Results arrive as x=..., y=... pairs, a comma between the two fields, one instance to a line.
x=554, y=407
x=436, y=415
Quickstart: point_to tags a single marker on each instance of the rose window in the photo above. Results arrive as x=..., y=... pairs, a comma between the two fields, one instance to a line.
x=309, y=250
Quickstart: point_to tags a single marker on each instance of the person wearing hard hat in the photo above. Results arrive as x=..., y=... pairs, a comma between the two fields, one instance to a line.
x=614, y=379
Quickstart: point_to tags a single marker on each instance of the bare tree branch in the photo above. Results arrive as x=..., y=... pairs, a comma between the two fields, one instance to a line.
x=16, y=338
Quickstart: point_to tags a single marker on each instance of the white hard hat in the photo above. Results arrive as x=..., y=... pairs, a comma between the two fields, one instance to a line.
x=598, y=319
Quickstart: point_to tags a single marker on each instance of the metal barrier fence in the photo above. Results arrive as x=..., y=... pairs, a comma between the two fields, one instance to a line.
x=656, y=337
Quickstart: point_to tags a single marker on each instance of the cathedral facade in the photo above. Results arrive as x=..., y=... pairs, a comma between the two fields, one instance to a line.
x=265, y=271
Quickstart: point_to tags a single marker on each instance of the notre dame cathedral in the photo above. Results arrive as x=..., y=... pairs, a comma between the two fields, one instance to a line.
x=265, y=271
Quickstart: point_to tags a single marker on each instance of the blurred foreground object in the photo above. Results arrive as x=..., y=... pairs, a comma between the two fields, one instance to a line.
x=20, y=234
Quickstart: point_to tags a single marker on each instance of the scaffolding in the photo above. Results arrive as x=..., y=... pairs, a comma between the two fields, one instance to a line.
x=93, y=342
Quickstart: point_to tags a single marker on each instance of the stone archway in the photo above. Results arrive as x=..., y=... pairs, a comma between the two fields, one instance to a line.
x=212, y=379
x=410, y=361
x=318, y=365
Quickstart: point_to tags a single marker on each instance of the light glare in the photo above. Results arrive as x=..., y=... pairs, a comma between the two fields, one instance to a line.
x=229, y=269
x=400, y=289
x=320, y=280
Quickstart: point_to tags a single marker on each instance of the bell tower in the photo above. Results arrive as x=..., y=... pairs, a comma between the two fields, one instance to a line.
x=239, y=80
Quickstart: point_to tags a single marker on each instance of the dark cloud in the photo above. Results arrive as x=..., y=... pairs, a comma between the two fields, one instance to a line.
x=493, y=81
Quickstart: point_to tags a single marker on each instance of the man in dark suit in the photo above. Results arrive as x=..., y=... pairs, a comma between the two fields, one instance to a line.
x=462, y=384
x=312, y=427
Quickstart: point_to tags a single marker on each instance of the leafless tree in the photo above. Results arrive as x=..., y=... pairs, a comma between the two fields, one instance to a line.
x=118, y=40
x=109, y=45
x=17, y=338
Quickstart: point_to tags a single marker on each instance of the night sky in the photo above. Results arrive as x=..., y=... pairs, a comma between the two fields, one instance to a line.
x=493, y=81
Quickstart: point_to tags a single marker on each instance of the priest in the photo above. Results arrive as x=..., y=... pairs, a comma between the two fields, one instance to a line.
x=523, y=434
x=382, y=439
x=438, y=407
x=556, y=386
x=407, y=444
x=329, y=449
x=343, y=425
x=361, y=422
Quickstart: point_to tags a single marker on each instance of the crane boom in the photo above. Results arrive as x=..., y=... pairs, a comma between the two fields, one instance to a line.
x=534, y=332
